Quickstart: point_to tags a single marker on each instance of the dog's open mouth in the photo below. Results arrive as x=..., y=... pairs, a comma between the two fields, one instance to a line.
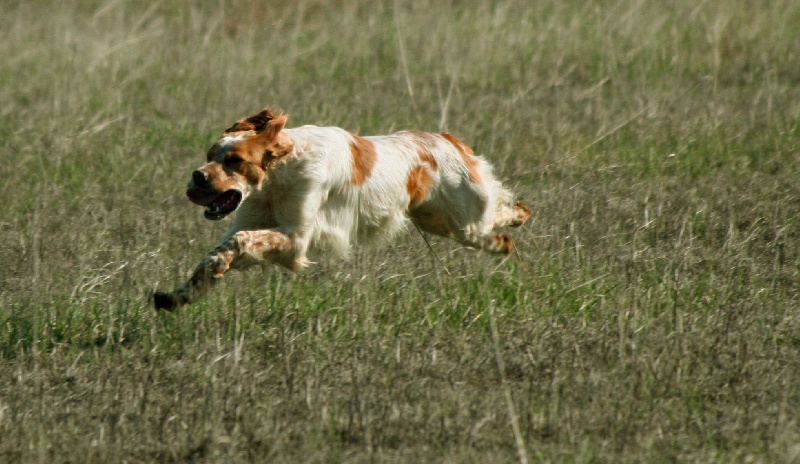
x=218, y=205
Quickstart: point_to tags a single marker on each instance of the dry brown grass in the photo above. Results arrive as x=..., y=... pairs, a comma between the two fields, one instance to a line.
x=652, y=316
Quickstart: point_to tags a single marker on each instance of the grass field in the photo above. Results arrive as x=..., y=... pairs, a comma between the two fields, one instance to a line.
x=652, y=315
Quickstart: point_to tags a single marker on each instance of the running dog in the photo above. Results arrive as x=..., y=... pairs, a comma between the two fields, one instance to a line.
x=324, y=189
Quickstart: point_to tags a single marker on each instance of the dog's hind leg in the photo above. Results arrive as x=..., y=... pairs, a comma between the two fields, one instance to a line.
x=242, y=249
x=473, y=235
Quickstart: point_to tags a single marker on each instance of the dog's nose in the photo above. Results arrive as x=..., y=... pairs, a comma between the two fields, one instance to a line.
x=199, y=177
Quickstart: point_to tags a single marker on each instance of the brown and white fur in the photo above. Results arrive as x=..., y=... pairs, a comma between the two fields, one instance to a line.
x=324, y=189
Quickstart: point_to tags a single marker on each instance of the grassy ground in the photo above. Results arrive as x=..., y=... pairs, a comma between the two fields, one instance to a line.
x=652, y=317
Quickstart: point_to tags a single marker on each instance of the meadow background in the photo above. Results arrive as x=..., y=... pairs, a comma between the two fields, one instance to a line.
x=650, y=316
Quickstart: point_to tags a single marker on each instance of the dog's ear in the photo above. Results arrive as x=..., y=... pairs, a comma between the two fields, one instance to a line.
x=279, y=143
x=276, y=144
x=257, y=122
x=273, y=127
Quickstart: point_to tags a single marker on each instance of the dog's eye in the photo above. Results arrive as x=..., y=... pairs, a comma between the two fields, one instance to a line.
x=233, y=160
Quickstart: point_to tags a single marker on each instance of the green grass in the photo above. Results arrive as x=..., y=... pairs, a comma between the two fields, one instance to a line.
x=651, y=317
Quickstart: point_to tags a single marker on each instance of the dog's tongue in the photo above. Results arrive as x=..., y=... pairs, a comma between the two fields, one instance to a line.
x=201, y=197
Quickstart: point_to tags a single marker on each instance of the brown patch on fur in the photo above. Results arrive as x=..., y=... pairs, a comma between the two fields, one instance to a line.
x=427, y=157
x=425, y=141
x=468, y=156
x=418, y=184
x=364, y=157
x=258, y=156
x=245, y=158
x=251, y=156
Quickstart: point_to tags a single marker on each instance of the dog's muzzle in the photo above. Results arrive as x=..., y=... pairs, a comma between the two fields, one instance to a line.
x=218, y=205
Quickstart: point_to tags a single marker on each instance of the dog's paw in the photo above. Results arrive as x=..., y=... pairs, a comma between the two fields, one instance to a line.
x=164, y=301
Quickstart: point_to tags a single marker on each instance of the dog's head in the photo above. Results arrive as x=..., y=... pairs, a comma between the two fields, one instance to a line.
x=238, y=163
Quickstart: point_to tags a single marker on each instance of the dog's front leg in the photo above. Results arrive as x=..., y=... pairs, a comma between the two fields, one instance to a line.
x=242, y=249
